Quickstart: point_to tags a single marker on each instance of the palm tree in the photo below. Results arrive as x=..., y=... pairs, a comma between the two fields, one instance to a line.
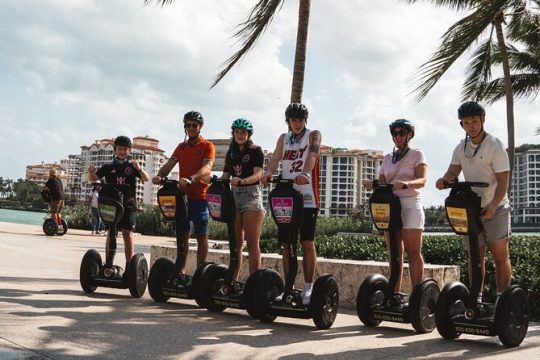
x=249, y=31
x=483, y=15
x=9, y=187
x=525, y=64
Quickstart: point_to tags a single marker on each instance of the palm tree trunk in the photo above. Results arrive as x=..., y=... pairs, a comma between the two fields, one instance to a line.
x=300, y=54
x=509, y=93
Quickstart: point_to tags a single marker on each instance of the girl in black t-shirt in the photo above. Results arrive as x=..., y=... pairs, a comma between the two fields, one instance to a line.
x=244, y=163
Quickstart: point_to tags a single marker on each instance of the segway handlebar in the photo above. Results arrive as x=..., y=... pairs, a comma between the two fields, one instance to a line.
x=164, y=181
x=218, y=180
x=280, y=180
x=464, y=184
x=379, y=185
x=118, y=187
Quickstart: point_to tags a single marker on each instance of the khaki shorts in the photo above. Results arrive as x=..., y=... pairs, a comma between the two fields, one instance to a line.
x=57, y=206
x=496, y=228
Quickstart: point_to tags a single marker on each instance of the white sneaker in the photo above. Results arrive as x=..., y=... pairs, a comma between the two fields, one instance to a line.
x=279, y=297
x=92, y=233
x=306, y=295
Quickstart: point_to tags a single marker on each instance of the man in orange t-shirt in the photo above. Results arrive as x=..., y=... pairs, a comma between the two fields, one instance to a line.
x=195, y=157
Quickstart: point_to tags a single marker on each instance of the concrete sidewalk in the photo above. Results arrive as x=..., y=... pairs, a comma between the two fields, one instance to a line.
x=45, y=315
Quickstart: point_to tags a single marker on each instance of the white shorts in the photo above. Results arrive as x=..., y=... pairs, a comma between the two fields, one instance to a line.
x=412, y=213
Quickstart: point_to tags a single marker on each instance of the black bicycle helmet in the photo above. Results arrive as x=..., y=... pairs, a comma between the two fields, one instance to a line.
x=194, y=116
x=242, y=123
x=296, y=111
x=402, y=123
x=470, y=108
x=122, y=141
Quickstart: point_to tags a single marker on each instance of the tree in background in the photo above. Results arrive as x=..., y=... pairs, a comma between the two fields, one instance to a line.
x=483, y=16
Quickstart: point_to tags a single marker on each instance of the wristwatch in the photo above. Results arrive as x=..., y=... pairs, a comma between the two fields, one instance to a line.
x=306, y=174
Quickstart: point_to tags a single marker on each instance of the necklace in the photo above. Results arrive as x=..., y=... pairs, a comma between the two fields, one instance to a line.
x=398, y=155
x=467, y=139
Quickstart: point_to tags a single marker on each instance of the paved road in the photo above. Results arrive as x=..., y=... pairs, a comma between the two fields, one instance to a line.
x=45, y=315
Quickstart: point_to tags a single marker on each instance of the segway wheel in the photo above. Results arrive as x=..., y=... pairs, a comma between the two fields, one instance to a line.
x=90, y=267
x=512, y=316
x=50, y=228
x=64, y=228
x=324, y=301
x=137, y=275
x=211, y=281
x=195, y=290
x=451, y=302
x=422, y=303
x=269, y=286
x=371, y=293
x=249, y=294
x=160, y=272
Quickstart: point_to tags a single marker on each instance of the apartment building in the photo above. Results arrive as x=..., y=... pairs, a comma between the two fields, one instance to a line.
x=39, y=173
x=145, y=150
x=341, y=174
x=525, y=196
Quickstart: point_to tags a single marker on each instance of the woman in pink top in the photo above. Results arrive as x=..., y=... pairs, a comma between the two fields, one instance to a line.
x=406, y=169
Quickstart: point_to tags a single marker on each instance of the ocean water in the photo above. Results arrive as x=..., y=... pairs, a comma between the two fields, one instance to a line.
x=22, y=217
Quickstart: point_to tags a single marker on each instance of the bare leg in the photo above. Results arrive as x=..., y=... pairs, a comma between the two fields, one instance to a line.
x=503, y=268
x=400, y=252
x=252, y=221
x=412, y=240
x=239, y=231
x=309, y=261
x=129, y=246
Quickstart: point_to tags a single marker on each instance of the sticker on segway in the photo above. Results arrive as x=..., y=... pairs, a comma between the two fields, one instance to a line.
x=214, y=205
x=381, y=215
x=458, y=219
x=168, y=205
x=107, y=212
x=283, y=209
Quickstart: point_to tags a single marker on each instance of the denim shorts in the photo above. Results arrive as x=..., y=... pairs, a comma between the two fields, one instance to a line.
x=198, y=215
x=412, y=213
x=248, y=198
x=496, y=228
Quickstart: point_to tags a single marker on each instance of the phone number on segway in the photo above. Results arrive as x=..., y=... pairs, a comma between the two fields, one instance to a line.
x=471, y=330
x=393, y=318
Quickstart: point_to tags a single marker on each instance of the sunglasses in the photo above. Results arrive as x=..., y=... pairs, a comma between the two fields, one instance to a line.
x=191, y=125
x=401, y=132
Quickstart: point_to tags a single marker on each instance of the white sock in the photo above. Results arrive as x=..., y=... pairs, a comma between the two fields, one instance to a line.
x=479, y=297
x=308, y=287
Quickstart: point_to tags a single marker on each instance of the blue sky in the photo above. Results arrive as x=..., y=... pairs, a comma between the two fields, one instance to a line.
x=75, y=71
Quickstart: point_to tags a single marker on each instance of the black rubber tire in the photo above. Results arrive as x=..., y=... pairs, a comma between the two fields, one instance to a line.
x=50, y=227
x=210, y=283
x=90, y=267
x=512, y=316
x=64, y=228
x=249, y=294
x=269, y=286
x=422, y=304
x=161, y=271
x=324, y=301
x=370, y=293
x=195, y=290
x=137, y=275
x=451, y=302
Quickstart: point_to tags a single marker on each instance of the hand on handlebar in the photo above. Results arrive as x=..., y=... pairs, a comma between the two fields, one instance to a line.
x=442, y=183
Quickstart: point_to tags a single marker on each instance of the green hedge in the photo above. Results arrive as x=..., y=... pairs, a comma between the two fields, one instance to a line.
x=437, y=249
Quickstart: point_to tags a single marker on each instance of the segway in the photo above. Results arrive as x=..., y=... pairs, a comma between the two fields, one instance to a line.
x=50, y=227
x=93, y=273
x=286, y=205
x=376, y=300
x=165, y=280
x=217, y=286
x=458, y=310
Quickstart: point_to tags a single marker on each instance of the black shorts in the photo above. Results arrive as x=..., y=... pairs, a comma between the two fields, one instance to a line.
x=307, y=229
x=128, y=222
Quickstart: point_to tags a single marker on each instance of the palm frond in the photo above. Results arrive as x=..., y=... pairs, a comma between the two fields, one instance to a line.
x=478, y=71
x=249, y=31
x=524, y=86
x=457, y=5
x=457, y=39
x=162, y=2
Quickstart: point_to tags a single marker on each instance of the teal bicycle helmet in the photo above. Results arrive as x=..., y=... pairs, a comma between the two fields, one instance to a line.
x=242, y=123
